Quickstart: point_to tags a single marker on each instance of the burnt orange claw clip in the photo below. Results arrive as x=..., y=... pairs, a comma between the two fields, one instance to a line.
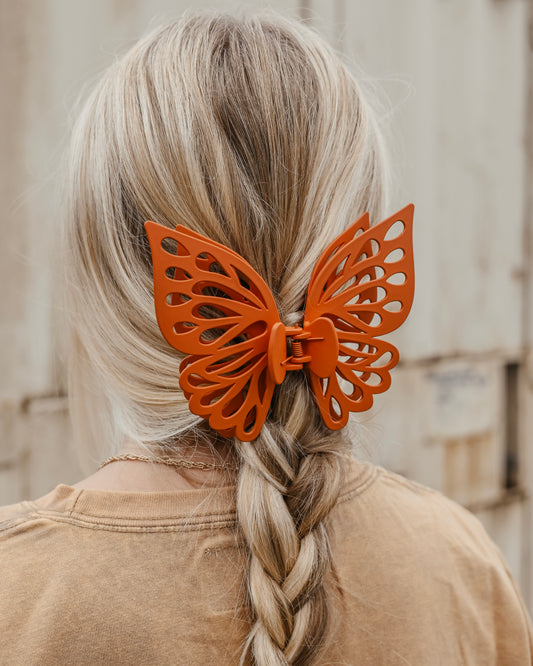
x=214, y=308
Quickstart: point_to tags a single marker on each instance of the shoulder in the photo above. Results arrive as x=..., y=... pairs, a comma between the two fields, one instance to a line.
x=411, y=562
x=13, y=514
x=429, y=513
x=396, y=524
x=21, y=516
x=410, y=510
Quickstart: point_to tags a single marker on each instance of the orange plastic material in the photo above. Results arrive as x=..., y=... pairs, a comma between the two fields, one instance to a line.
x=212, y=306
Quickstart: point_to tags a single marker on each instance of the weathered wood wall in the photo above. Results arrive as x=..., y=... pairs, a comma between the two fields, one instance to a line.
x=458, y=77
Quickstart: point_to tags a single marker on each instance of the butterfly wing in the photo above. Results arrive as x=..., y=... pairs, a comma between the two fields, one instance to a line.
x=212, y=306
x=364, y=284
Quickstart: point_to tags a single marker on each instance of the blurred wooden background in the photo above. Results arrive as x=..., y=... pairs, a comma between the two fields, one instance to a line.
x=459, y=415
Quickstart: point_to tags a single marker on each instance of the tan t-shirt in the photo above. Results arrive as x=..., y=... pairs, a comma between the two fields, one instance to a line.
x=111, y=577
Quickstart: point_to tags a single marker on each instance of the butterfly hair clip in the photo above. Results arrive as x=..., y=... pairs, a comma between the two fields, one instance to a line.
x=212, y=306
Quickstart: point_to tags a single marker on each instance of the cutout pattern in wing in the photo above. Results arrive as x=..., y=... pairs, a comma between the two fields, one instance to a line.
x=213, y=306
x=365, y=285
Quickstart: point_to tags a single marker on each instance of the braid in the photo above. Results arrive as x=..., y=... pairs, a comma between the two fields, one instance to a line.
x=289, y=481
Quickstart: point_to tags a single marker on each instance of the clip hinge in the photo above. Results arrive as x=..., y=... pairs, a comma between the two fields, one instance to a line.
x=296, y=334
x=321, y=356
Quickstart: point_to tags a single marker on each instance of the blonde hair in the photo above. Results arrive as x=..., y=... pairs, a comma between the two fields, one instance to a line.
x=252, y=132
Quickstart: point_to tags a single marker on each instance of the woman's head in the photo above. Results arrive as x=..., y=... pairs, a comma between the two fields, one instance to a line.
x=252, y=132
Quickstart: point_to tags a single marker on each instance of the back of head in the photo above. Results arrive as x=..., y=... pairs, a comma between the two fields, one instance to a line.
x=249, y=131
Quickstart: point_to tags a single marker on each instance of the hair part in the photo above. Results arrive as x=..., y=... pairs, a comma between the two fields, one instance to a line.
x=252, y=132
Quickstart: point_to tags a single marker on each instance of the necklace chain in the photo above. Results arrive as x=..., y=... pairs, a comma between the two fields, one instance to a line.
x=179, y=462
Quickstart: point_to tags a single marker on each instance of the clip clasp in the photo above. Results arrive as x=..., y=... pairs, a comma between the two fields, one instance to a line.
x=316, y=343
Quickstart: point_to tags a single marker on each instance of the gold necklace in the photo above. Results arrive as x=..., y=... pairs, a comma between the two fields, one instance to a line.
x=189, y=464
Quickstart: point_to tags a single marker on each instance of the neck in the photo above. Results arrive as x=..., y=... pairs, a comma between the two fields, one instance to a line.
x=139, y=476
